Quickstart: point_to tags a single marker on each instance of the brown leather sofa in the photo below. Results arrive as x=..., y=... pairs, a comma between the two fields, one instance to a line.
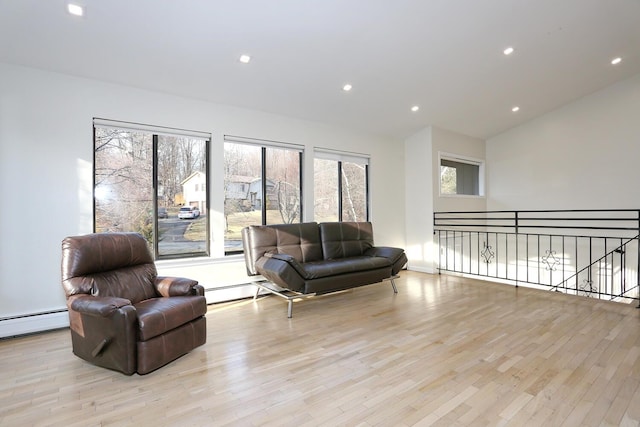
x=123, y=316
x=310, y=259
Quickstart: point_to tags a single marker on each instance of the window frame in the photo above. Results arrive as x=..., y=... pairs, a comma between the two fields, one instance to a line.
x=463, y=160
x=156, y=132
x=264, y=145
x=347, y=157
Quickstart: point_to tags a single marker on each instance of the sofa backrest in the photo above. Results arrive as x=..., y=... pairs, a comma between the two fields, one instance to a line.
x=301, y=241
x=345, y=239
x=110, y=265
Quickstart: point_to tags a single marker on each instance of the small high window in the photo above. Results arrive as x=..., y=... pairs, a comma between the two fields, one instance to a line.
x=461, y=176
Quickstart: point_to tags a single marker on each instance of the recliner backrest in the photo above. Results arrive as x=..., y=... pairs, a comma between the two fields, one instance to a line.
x=345, y=239
x=301, y=241
x=108, y=264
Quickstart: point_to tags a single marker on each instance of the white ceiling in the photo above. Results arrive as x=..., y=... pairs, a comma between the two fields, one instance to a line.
x=444, y=55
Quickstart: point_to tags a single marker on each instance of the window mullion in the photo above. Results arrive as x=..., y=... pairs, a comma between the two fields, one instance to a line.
x=366, y=192
x=340, y=191
x=154, y=181
x=300, y=184
x=264, y=185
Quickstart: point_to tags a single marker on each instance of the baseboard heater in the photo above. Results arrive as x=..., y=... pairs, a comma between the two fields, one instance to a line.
x=24, y=324
x=35, y=322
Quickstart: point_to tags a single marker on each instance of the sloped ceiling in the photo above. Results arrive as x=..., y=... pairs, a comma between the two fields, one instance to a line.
x=446, y=56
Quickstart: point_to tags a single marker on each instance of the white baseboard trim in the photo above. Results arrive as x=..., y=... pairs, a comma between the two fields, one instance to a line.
x=28, y=324
x=423, y=270
x=229, y=293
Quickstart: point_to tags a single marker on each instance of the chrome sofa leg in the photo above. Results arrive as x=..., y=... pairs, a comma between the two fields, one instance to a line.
x=290, y=309
x=393, y=283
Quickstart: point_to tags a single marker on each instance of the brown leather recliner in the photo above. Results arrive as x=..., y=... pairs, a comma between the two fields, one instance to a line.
x=122, y=315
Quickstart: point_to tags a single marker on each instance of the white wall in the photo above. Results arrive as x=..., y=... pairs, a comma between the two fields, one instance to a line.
x=422, y=189
x=46, y=154
x=445, y=141
x=584, y=155
x=419, y=197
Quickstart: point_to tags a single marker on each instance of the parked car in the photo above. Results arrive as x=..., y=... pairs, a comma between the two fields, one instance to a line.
x=162, y=213
x=188, y=212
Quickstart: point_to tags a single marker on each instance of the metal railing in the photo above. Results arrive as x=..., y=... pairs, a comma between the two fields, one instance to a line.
x=592, y=253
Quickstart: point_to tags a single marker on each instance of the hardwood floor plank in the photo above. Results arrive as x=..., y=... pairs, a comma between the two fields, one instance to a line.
x=444, y=351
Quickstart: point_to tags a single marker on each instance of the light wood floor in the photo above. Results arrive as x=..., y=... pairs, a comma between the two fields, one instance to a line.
x=444, y=351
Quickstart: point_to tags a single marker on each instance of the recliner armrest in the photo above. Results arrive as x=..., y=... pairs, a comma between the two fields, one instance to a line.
x=98, y=306
x=177, y=286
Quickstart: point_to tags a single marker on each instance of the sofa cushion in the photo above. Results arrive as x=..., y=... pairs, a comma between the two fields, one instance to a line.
x=318, y=269
x=345, y=239
x=159, y=315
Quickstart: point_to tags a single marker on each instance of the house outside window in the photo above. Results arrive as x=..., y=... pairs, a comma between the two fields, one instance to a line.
x=143, y=175
x=193, y=190
x=341, y=186
x=262, y=185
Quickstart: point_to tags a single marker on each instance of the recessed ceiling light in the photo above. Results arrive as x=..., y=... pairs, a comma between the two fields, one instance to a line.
x=508, y=51
x=415, y=108
x=347, y=87
x=245, y=59
x=75, y=9
x=616, y=61
x=515, y=109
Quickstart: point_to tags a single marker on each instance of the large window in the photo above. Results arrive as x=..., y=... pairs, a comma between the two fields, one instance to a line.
x=461, y=176
x=152, y=181
x=262, y=185
x=341, y=187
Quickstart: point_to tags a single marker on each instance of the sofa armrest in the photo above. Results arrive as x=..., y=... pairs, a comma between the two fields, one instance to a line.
x=289, y=260
x=97, y=306
x=177, y=286
x=282, y=270
x=396, y=256
x=393, y=254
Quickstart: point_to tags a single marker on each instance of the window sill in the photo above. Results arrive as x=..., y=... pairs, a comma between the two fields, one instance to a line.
x=462, y=196
x=199, y=261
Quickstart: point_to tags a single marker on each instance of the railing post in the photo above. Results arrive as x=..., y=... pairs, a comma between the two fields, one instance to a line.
x=517, y=224
x=638, y=263
x=517, y=257
x=439, y=251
